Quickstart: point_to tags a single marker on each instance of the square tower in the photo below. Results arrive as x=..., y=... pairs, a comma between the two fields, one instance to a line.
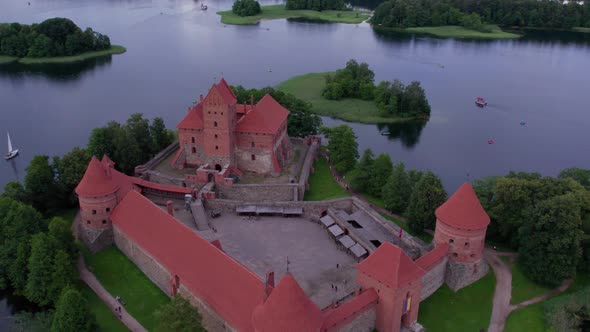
x=219, y=122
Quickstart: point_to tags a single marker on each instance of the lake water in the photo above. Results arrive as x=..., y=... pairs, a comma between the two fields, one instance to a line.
x=176, y=51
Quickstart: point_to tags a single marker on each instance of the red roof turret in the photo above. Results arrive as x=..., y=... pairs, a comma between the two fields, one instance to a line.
x=390, y=266
x=287, y=309
x=463, y=210
x=96, y=181
x=266, y=117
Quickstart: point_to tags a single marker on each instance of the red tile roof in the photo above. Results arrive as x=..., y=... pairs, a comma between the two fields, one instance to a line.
x=463, y=210
x=434, y=256
x=266, y=117
x=194, y=118
x=287, y=309
x=391, y=266
x=225, y=285
x=350, y=309
x=226, y=92
x=95, y=181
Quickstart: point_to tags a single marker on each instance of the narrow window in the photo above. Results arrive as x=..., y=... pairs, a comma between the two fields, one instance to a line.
x=216, y=147
x=253, y=144
x=93, y=211
x=215, y=112
x=253, y=157
x=192, y=139
x=466, y=245
x=194, y=150
x=451, y=241
x=215, y=135
x=455, y=254
x=472, y=255
x=104, y=222
x=108, y=209
x=88, y=222
x=214, y=123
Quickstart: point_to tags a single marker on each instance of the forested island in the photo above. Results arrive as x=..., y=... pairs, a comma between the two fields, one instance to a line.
x=482, y=16
x=350, y=94
x=53, y=40
x=245, y=12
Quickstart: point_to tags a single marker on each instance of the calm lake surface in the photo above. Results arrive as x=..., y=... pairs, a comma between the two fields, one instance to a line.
x=176, y=51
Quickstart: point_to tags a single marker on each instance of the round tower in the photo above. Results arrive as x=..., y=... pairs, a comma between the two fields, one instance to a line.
x=97, y=196
x=461, y=222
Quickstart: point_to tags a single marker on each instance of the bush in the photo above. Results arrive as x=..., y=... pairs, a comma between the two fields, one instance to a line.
x=246, y=8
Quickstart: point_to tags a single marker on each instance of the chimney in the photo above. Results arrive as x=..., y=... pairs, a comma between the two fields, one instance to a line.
x=170, y=207
x=270, y=282
x=201, y=98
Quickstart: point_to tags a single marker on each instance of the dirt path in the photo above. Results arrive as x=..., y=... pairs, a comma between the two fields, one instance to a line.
x=107, y=298
x=562, y=288
x=502, y=294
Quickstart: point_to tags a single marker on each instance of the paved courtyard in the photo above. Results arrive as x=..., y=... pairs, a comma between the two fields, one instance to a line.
x=264, y=244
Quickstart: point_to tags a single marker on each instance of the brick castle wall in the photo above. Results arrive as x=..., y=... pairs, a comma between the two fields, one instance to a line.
x=364, y=322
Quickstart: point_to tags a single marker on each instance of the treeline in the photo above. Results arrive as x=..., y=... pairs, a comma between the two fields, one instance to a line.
x=392, y=98
x=415, y=194
x=546, y=219
x=246, y=7
x=475, y=14
x=318, y=5
x=301, y=121
x=50, y=38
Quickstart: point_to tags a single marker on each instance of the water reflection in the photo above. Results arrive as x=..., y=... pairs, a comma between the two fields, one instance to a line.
x=55, y=72
x=407, y=132
x=15, y=167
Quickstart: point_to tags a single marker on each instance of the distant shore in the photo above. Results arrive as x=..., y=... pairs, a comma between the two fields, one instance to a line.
x=309, y=88
x=280, y=11
x=455, y=31
x=115, y=49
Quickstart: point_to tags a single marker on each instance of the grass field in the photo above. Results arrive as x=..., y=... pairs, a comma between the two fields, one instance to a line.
x=454, y=31
x=423, y=236
x=322, y=185
x=115, y=49
x=523, y=288
x=121, y=277
x=6, y=59
x=530, y=318
x=309, y=88
x=106, y=319
x=580, y=29
x=279, y=11
x=469, y=309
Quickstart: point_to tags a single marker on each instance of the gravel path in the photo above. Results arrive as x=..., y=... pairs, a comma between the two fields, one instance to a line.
x=502, y=294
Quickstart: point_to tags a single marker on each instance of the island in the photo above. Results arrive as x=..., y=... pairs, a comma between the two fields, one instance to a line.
x=333, y=94
x=280, y=11
x=55, y=40
x=459, y=19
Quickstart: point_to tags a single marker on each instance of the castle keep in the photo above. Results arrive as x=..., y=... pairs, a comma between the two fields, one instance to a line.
x=391, y=272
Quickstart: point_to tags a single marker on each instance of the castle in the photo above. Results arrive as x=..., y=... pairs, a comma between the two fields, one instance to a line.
x=388, y=287
x=219, y=133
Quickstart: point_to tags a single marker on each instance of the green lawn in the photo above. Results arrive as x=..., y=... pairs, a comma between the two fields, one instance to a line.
x=454, y=31
x=106, y=319
x=423, y=236
x=580, y=29
x=6, y=59
x=115, y=49
x=309, y=87
x=530, y=318
x=469, y=309
x=322, y=185
x=523, y=288
x=279, y=11
x=121, y=277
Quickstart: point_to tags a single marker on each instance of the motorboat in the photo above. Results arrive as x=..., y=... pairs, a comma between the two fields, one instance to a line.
x=491, y=141
x=203, y=6
x=11, y=151
x=385, y=133
x=479, y=101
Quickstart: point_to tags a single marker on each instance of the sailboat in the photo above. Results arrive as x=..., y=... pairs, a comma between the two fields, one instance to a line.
x=11, y=152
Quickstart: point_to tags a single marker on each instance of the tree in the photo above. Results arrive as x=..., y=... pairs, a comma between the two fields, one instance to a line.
x=427, y=196
x=40, y=269
x=63, y=274
x=72, y=313
x=15, y=191
x=138, y=130
x=550, y=245
x=39, y=184
x=31, y=322
x=68, y=171
x=342, y=146
x=382, y=168
x=353, y=81
x=101, y=141
x=362, y=174
x=246, y=7
x=582, y=176
x=178, y=315
x=161, y=137
x=397, y=190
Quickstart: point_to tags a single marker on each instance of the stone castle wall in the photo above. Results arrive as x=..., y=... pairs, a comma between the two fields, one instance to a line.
x=161, y=278
x=310, y=157
x=364, y=322
x=459, y=275
x=258, y=192
x=434, y=278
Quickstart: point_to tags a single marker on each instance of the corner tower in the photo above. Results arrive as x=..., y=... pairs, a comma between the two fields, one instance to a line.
x=461, y=222
x=219, y=122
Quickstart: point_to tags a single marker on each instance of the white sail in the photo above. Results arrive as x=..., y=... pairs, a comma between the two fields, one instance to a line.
x=9, y=143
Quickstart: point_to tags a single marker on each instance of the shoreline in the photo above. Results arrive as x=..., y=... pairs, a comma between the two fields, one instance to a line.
x=308, y=87
x=115, y=49
x=454, y=31
x=274, y=12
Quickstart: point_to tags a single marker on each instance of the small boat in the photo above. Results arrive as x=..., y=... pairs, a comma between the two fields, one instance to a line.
x=11, y=152
x=491, y=141
x=385, y=133
x=479, y=101
x=522, y=123
x=203, y=7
